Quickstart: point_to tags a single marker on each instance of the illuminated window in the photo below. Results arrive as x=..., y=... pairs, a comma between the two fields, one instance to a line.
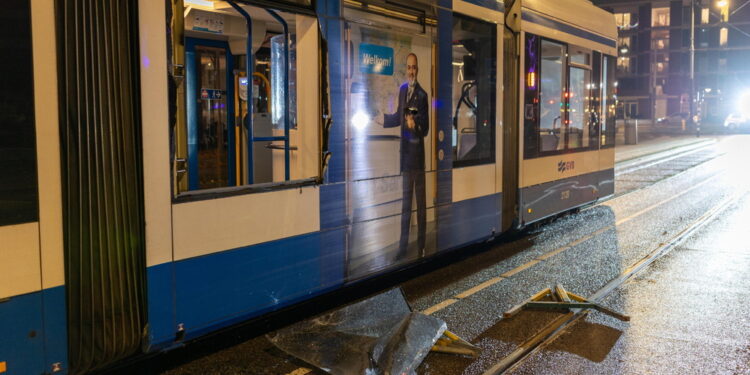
x=704, y=15
x=660, y=17
x=662, y=63
x=723, y=36
x=624, y=41
x=624, y=65
x=623, y=20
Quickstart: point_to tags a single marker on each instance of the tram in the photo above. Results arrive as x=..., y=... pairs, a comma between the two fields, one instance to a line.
x=173, y=167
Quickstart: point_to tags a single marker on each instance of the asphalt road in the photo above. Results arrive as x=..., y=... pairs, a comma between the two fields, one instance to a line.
x=689, y=310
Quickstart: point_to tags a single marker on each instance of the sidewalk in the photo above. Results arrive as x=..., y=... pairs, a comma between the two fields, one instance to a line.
x=654, y=143
x=655, y=139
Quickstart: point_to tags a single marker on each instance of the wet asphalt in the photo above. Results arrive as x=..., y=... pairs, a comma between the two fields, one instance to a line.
x=690, y=309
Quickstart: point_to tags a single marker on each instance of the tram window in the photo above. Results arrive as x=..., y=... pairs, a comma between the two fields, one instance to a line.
x=578, y=109
x=18, y=181
x=609, y=101
x=474, y=56
x=562, y=97
x=580, y=97
x=214, y=145
x=551, y=109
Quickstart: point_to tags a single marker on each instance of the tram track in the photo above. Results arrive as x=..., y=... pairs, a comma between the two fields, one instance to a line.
x=646, y=161
x=557, y=327
x=551, y=331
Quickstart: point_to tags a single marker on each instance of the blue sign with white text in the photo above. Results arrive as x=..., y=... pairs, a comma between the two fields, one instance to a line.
x=374, y=59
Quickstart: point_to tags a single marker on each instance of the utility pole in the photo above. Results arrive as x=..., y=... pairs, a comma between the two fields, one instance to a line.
x=692, y=62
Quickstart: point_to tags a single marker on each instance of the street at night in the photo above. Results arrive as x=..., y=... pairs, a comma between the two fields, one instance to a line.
x=666, y=250
x=374, y=187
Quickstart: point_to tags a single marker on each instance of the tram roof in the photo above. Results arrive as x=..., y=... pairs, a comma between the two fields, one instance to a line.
x=579, y=13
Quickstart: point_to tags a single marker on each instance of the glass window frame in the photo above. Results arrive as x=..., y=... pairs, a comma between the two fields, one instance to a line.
x=532, y=139
x=491, y=158
x=609, y=118
x=588, y=68
x=18, y=146
x=184, y=196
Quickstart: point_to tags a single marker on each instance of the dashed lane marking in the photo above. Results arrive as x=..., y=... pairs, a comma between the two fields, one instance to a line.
x=479, y=287
x=440, y=306
x=574, y=243
x=519, y=268
x=553, y=253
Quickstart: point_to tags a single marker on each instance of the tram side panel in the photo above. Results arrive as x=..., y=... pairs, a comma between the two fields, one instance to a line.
x=244, y=238
x=32, y=290
x=567, y=153
x=473, y=85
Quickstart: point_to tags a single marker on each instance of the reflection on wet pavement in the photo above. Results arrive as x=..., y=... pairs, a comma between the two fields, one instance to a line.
x=689, y=310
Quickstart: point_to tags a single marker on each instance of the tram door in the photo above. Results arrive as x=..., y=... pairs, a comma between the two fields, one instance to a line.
x=210, y=114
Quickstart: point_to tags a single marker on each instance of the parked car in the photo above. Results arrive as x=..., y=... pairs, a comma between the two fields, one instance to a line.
x=673, y=119
x=736, y=122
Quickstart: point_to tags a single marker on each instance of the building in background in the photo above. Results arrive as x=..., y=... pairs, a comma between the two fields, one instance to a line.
x=654, y=57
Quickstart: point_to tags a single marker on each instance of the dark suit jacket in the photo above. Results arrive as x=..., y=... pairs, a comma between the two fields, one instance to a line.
x=412, y=141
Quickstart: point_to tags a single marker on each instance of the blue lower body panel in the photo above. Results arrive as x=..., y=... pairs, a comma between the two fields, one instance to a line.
x=209, y=292
x=548, y=199
x=469, y=221
x=225, y=288
x=33, y=332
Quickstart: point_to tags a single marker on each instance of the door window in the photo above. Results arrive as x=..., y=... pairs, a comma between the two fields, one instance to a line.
x=212, y=131
x=551, y=134
x=562, y=97
x=474, y=65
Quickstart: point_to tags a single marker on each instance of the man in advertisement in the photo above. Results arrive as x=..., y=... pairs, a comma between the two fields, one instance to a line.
x=412, y=115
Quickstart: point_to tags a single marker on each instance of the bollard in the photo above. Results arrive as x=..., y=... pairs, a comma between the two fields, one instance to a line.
x=631, y=132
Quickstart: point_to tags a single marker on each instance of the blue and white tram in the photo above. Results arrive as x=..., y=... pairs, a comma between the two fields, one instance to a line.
x=169, y=168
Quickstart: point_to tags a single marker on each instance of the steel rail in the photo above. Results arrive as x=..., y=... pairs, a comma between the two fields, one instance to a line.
x=555, y=328
x=638, y=163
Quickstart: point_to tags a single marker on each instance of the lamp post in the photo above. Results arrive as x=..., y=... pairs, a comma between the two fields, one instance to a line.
x=693, y=117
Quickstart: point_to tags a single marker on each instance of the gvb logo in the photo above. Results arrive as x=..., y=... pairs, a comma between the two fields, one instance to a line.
x=564, y=166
